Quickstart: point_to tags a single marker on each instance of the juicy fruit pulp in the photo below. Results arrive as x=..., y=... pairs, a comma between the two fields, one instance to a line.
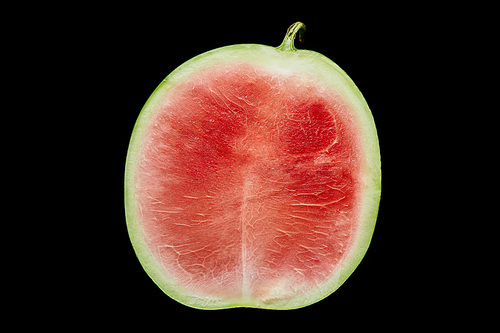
x=247, y=182
x=237, y=195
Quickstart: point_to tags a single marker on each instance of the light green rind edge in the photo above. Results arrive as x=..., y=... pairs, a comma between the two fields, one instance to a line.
x=309, y=63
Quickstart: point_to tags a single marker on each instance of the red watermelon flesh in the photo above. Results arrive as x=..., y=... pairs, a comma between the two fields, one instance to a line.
x=248, y=184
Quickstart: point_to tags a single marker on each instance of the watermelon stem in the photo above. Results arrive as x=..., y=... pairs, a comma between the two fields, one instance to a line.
x=287, y=44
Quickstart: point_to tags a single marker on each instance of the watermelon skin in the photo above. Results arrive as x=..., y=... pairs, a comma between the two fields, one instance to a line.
x=253, y=179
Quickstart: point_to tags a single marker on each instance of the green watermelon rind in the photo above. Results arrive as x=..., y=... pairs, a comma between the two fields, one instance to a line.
x=300, y=62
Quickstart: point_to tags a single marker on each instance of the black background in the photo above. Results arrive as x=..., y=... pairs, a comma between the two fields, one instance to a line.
x=113, y=59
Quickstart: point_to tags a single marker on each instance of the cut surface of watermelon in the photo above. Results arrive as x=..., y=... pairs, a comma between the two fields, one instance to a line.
x=253, y=179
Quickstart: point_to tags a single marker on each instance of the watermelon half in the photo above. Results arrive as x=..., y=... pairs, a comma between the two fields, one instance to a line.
x=253, y=178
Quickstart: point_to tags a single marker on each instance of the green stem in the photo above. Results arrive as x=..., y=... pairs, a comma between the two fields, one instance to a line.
x=287, y=44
